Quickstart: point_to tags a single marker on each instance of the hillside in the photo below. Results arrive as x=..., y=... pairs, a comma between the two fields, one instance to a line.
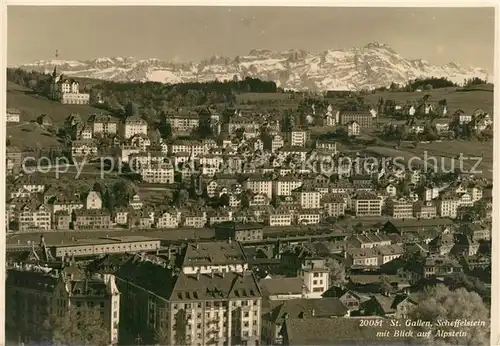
x=468, y=101
x=368, y=67
x=32, y=105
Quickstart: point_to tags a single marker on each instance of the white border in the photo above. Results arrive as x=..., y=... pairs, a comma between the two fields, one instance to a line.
x=495, y=256
x=263, y=3
x=3, y=134
x=495, y=304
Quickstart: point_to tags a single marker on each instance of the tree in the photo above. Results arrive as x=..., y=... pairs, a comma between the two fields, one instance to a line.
x=394, y=86
x=182, y=197
x=337, y=271
x=77, y=326
x=470, y=283
x=389, y=107
x=441, y=303
x=224, y=200
x=98, y=187
x=385, y=286
x=165, y=130
x=161, y=336
x=443, y=102
x=122, y=191
x=474, y=81
x=131, y=109
x=114, y=105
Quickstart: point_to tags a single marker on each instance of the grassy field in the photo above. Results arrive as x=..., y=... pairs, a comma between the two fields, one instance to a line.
x=449, y=150
x=30, y=135
x=264, y=97
x=32, y=105
x=468, y=101
x=445, y=154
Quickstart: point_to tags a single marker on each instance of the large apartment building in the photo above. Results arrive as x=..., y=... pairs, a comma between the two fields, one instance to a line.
x=134, y=125
x=34, y=292
x=365, y=119
x=400, y=208
x=210, y=299
x=103, y=124
x=182, y=123
x=366, y=204
x=67, y=91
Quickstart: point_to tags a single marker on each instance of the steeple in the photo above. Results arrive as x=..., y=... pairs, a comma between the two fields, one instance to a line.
x=54, y=74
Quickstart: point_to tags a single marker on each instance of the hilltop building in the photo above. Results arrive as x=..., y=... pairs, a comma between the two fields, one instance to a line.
x=67, y=91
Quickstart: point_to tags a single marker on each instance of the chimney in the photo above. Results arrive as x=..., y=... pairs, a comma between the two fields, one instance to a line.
x=198, y=276
x=212, y=274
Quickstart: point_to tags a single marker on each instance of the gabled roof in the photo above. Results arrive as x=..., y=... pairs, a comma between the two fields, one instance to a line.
x=306, y=308
x=38, y=281
x=282, y=285
x=334, y=331
x=216, y=286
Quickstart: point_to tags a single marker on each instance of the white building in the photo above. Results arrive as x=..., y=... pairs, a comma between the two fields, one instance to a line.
x=13, y=115
x=134, y=126
x=156, y=173
x=283, y=186
x=297, y=138
x=259, y=185
x=316, y=279
x=94, y=200
x=67, y=91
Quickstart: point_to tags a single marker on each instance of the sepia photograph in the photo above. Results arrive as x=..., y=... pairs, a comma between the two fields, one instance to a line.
x=231, y=175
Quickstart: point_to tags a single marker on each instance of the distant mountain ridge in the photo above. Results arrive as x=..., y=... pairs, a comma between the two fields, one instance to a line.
x=371, y=66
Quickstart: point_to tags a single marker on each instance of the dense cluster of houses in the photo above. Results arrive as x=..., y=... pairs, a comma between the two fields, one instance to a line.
x=252, y=180
x=267, y=174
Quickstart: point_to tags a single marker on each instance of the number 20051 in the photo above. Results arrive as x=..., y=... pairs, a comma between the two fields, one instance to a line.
x=370, y=323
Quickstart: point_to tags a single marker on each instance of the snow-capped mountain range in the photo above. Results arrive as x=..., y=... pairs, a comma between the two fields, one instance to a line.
x=371, y=66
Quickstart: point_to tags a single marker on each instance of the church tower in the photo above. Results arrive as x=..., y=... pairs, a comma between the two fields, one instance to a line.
x=54, y=78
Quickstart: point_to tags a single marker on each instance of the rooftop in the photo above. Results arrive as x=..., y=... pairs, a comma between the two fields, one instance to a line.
x=213, y=253
x=282, y=285
x=333, y=331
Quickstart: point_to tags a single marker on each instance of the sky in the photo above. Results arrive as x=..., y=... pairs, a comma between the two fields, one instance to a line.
x=183, y=34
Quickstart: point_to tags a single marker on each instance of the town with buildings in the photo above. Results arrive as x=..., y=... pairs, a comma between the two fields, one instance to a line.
x=262, y=239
